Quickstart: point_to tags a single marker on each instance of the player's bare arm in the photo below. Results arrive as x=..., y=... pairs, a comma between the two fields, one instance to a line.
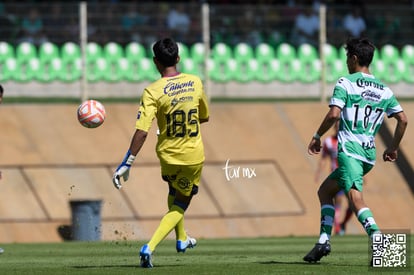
x=391, y=153
x=331, y=117
x=137, y=141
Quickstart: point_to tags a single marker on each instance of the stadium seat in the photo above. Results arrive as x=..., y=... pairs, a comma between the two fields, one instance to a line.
x=189, y=66
x=330, y=53
x=9, y=69
x=70, y=52
x=197, y=52
x=50, y=71
x=222, y=71
x=71, y=70
x=25, y=51
x=97, y=69
x=335, y=70
x=289, y=71
x=389, y=53
x=6, y=51
x=93, y=52
x=394, y=71
x=134, y=51
x=243, y=52
x=183, y=51
x=112, y=51
x=245, y=71
x=117, y=70
x=149, y=69
x=310, y=71
x=221, y=52
x=264, y=52
x=48, y=51
x=307, y=53
x=407, y=55
x=27, y=71
x=285, y=52
x=267, y=70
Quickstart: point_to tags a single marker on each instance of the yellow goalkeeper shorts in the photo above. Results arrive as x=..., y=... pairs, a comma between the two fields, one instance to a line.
x=184, y=178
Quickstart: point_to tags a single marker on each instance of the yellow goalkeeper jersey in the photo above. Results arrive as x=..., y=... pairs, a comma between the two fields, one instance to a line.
x=178, y=102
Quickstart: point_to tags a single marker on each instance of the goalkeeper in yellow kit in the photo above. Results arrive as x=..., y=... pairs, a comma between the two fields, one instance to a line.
x=178, y=102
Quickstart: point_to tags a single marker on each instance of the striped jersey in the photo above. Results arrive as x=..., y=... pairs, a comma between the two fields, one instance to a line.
x=364, y=100
x=178, y=102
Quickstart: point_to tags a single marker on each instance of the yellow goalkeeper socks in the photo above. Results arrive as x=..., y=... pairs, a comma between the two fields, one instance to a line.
x=180, y=233
x=168, y=223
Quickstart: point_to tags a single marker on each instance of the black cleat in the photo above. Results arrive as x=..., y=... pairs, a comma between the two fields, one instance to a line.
x=317, y=252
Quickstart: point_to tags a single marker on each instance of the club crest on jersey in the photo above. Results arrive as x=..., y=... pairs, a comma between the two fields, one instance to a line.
x=371, y=96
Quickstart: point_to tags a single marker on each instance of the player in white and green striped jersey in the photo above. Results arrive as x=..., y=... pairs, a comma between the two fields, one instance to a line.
x=359, y=102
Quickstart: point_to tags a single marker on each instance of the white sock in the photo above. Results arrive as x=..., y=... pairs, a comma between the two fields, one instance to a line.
x=323, y=238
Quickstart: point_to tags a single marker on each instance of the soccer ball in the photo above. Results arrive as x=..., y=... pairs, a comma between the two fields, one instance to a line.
x=91, y=113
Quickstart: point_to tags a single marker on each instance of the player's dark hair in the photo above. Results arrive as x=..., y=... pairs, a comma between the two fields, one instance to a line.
x=1, y=90
x=166, y=51
x=361, y=48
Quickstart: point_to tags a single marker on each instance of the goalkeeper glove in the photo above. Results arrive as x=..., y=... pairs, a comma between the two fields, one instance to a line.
x=123, y=170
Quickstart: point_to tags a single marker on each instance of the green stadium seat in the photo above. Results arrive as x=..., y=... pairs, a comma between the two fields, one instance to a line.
x=407, y=54
x=189, y=66
x=97, y=69
x=245, y=71
x=285, y=52
x=134, y=51
x=394, y=71
x=335, y=70
x=389, y=53
x=27, y=71
x=222, y=71
x=147, y=70
x=243, y=52
x=267, y=70
x=221, y=52
x=330, y=53
x=70, y=52
x=9, y=69
x=264, y=52
x=310, y=71
x=50, y=71
x=48, y=51
x=6, y=51
x=71, y=70
x=197, y=52
x=94, y=52
x=113, y=51
x=183, y=51
x=289, y=70
x=25, y=51
x=307, y=53
x=342, y=53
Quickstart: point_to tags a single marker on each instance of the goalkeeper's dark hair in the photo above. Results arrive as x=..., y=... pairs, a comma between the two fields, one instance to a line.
x=166, y=51
x=362, y=48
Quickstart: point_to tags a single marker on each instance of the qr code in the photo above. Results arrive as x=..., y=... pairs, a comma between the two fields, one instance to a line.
x=389, y=250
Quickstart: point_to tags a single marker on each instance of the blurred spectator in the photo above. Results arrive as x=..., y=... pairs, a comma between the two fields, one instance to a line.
x=7, y=24
x=32, y=28
x=387, y=28
x=354, y=24
x=133, y=21
x=178, y=22
x=54, y=22
x=306, y=28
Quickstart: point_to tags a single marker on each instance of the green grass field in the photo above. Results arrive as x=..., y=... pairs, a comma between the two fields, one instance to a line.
x=228, y=256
